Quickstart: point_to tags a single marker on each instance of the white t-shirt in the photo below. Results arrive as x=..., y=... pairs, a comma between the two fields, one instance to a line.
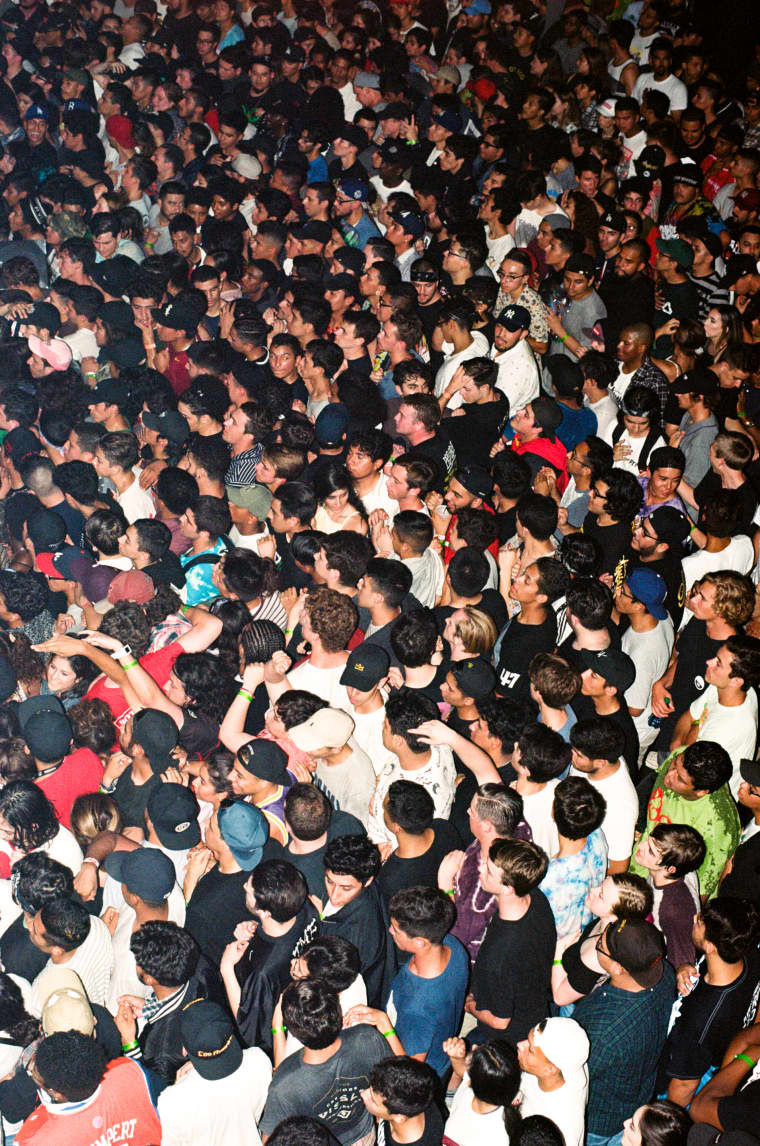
x=378, y=498
x=352, y=782
x=640, y=46
x=478, y=348
x=671, y=86
x=466, y=1128
x=83, y=344
x=368, y=734
x=606, y=411
x=738, y=555
x=324, y=682
x=621, y=384
x=622, y=810
x=650, y=653
x=196, y=1111
x=438, y=776
x=518, y=376
x=537, y=812
x=635, y=445
x=498, y=249
x=734, y=727
x=566, y=1107
x=136, y=502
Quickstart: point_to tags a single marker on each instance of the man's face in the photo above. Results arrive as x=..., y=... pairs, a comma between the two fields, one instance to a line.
x=626, y=122
x=627, y=263
x=531, y=1058
x=243, y=783
x=576, y=285
x=341, y=889
x=261, y=78
x=576, y=460
x=664, y=482
x=234, y=426
x=504, y=339
x=597, y=497
x=360, y=465
x=678, y=780
x=512, y=276
x=183, y=243
x=644, y=539
x=692, y=132
x=227, y=137
x=684, y=193
x=608, y=239
x=37, y=933
x=277, y=519
x=749, y=244
x=405, y=420
x=660, y=61
x=129, y=545
x=457, y=497
x=212, y=288
x=525, y=587
x=628, y=348
x=588, y=183
x=720, y=668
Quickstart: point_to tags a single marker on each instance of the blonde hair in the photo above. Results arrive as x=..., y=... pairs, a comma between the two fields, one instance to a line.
x=92, y=814
x=476, y=630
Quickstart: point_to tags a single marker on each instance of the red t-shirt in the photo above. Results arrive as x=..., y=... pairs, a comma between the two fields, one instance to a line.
x=158, y=665
x=79, y=773
x=120, y=1113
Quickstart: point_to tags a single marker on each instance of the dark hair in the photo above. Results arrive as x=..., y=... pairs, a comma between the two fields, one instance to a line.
x=590, y=601
x=407, y=709
x=664, y=1123
x=102, y=530
x=494, y=1075
x=212, y=515
x=307, y=812
x=745, y=658
x=14, y=1019
x=299, y=1130
x=599, y=738
x=332, y=959
x=92, y=723
x=311, y=1011
x=468, y=570
x=65, y=922
x=543, y=752
x=423, y=912
x=30, y=814
x=410, y=806
x=219, y=765
x=391, y=579
x=352, y=855
x=707, y=763
x=578, y=808
x=165, y=951
x=248, y=576
x=208, y=687
x=406, y=1085
x=478, y=528
x=280, y=889
x=297, y=500
x=624, y=494
x=348, y=553
x=537, y=1129
x=413, y=637
x=128, y=623
x=37, y=879
x=71, y=1064
x=681, y=847
x=553, y=578
x=732, y=925
x=24, y=593
x=120, y=448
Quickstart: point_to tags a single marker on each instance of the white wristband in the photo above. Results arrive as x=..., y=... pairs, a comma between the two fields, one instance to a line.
x=91, y=859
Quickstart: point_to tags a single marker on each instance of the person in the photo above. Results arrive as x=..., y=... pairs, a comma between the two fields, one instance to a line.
x=343, y=767
x=484, y=1103
x=423, y=839
x=71, y=1069
x=648, y=641
x=401, y=1096
x=626, y=1022
x=333, y=1060
x=671, y=854
x=65, y=932
x=691, y=787
x=540, y=758
x=597, y=747
x=554, y=1079
x=223, y=1093
x=428, y=993
x=581, y=861
x=512, y=972
x=255, y=966
x=717, y=996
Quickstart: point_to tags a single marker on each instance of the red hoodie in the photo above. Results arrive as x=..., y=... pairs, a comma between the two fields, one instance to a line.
x=553, y=452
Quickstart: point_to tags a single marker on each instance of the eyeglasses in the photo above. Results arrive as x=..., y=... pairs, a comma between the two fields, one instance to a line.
x=522, y=275
x=457, y=254
x=596, y=493
x=581, y=461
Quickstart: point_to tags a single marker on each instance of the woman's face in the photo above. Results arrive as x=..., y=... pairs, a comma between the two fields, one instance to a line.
x=274, y=725
x=337, y=501
x=602, y=899
x=60, y=675
x=712, y=324
x=203, y=787
x=175, y=690
x=631, y=1132
x=636, y=427
x=6, y=831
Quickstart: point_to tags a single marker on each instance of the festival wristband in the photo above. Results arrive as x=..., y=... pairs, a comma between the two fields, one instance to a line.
x=279, y=1030
x=247, y=695
x=130, y=1046
x=387, y=1034
x=745, y=1058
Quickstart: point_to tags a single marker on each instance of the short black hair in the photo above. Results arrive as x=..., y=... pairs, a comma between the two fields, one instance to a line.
x=40, y=879
x=410, y=806
x=708, y=765
x=406, y=1085
x=543, y=752
x=352, y=855
x=413, y=637
x=307, y=811
x=65, y=922
x=71, y=1064
x=349, y=553
x=391, y=579
x=311, y=1011
x=406, y=709
x=599, y=738
x=578, y=808
x=165, y=951
x=280, y=889
x=332, y=959
x=423, y=912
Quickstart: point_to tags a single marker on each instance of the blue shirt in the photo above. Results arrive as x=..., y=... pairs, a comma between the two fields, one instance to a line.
x=429, y=1011
x=576, y=425
x=199, y=585
x=568, y=881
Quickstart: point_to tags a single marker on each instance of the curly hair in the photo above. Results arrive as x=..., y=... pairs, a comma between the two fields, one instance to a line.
x=71, y=1064
x=734, y=595
x=246, y=576
x=127, y=623
x=14, y=1019
x=209, y=689
x=28, y=665
x=163, y=604
x=219, y=766
x=333, y=617
x=166, y=952
x=92, y=726
x=30, y=814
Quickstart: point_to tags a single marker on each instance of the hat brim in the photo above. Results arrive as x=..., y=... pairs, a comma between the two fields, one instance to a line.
x=220, y=1065
x=177, y=841
x=749, y=770
x=248, y=859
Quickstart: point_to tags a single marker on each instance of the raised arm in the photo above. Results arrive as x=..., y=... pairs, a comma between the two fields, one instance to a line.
x=479, y=762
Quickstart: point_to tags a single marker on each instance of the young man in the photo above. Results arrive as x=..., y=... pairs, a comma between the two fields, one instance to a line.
x=597, y=746
x=511, y=978
x=721, y=1002
x=255, y=968
x=401, y=1096
x=534, y=629
x=726, y=712
x=423, y=839
x=691, y=787
x=672, y=853
x=540, y=758
x=581, y=860
x=382, y=590
x=205, y=525
x=344, y=768
x=518, y=376
x=354, y=910
x=554, y=1080
x=479, y=421
x=365, y=680
x=648, y=641
x=116, y=458
x=553, y=684
x=428, y=993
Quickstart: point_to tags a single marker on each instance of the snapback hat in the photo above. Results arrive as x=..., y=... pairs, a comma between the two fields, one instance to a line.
x=244, y=829
x=208, y=1036
x=331, y=424
x=365, y=666
x=474, y=676
x=157, y=735
x=257, y=499
x=173, y=811
x=615, y=666
x=566, y=1045
x=476, y=480
x=650, y=589
x=265, y=759
x=514, y=318
x=327, y=728
x=670, y=525
x=64, y=1002
x=639, y=948
x=146, y=872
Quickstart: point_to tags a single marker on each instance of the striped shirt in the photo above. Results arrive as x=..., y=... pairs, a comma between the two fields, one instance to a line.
x=93, y=962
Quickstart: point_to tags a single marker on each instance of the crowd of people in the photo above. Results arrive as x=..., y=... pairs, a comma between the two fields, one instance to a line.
x=379, y=552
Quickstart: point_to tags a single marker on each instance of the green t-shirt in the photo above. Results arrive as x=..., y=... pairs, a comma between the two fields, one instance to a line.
x=715, y=817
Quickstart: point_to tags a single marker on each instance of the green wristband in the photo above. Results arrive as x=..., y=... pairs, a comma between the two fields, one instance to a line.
x=745, y=1058
x=130, y=665
x=130, y=1046
x=557, y=963
x=279, y=1030
x=247, y=695
x=450, y=891
x=387, y=1034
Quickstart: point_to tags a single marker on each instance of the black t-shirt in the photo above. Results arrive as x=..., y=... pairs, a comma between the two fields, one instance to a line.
x=133, y=798
x=694, y=650
x=422, y=871
x=492, y=602
x=742, y=882
x=518, y=648
x=290, y=575
x=739, y=1111
x=579, y=976
x=614, y=539
x=631, y=750
x=216, y=907
x=431, y=1135
x=707, y=1020
x=433, y=689
x=311, y=865
x=440, y=450
x=710, y=485
x=512, y=972
x=475, y=430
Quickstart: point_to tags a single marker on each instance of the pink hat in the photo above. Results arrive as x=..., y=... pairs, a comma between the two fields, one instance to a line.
x=131, y=586
x=119, y=128
x=56, y=353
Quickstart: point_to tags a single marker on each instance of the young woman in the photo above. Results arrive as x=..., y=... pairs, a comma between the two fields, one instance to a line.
x=656, y=1124
x=723, y=330
x=68, y=678
x=483, y=1109
x=637, y=432
x=28, y=823
x=338, y=506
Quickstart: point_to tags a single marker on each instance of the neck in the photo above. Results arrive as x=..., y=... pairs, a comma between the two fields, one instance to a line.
x=606, y=705
x=410, y=1130
x=314, y=1057
x=532, y=613
x=570, y=847
x=642, y=622
x=409, y=846
x=145, y=914
x=552, y=717
x=731, y=695
x=306, y=847
x=274, y=929
x=720, y=973
x=513, y=907
x=365, y=485
x=122, y=480
x=383, y=614
x=554, y=1082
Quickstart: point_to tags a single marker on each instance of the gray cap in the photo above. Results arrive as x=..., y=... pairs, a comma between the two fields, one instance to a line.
x=367, y=80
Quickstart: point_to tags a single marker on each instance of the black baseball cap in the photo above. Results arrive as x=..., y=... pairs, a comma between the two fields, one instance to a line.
x=147, y=872
x=177, y=315
x=48, y=736
x=114, y=276
x=670, y=525
x=265, y=759
x=750, y=771
x=698, y=380
x=475, y=677
x=208, y=1036
x=157, y=735
x=112, y=391
x=639, y=947
x=170, y=425
x=365, y=666
x=173, y=811
x=476, y=480
x=615, y=666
